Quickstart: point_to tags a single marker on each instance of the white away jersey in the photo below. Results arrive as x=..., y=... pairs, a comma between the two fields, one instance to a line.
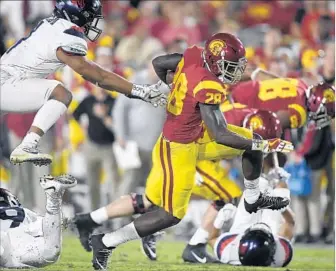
x=227, y=246
x=35, y=55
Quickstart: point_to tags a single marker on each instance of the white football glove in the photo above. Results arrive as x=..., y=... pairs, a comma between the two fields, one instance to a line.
x=150, y=94
x=225, y=215
x=279, y=174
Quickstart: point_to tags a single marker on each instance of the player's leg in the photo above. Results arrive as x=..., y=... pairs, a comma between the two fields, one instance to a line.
x=52, y=221
x=169, y=187
x=49, y=98
x=252, y=162
x=215, y=185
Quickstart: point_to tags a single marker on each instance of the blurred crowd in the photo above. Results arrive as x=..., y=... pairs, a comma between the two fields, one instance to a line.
x=288, y=38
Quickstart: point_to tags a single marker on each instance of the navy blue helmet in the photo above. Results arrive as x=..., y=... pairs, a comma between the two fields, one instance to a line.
x=85, y=14
x=7, y=199
x=257, y=246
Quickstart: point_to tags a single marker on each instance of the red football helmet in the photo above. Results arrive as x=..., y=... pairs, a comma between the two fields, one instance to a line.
x=264, y=123
x=321, y=104
x=224, y=56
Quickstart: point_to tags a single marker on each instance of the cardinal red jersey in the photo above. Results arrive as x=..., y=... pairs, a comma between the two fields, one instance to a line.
x=274, y=95
x=192, y=84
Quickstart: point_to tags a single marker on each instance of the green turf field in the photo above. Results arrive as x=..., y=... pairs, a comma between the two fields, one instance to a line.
x=129, y=257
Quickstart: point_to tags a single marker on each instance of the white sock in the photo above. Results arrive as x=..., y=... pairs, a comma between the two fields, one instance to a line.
x=48, y=114
x=252, y=190
x=121, y=236
x=99, y=216
x=200, y=237
x=31, y=139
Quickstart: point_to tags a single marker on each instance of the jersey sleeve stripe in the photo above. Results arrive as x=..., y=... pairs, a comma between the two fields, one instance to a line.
x=228, y=106
x=302, y=112
x=75, y=32
x=288, y=251
x=223, y=242
x=211, y=85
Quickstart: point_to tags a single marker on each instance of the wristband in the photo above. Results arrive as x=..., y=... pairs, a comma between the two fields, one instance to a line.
x=257, y=145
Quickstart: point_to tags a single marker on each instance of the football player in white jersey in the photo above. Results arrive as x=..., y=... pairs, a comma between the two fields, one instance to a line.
x=28, y=240
x=55, y=42
x=257, y=239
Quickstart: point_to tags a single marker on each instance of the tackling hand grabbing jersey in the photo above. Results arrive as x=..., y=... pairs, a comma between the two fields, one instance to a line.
x=55, y=42
x=28, y=240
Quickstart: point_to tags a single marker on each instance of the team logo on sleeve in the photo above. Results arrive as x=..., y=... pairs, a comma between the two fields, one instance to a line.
x=329, y=95
x=216, y=47
x=256, y=122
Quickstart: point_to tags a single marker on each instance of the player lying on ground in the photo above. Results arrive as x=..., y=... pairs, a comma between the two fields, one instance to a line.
x=195, y=98
x=55, y=42
x=28, y=240
x=257, y=239
x=264, y=123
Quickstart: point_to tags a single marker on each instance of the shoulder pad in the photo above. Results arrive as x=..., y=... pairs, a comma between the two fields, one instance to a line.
x=75, y=31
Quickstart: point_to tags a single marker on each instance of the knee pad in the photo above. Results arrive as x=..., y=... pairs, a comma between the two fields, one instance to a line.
x=138, y=203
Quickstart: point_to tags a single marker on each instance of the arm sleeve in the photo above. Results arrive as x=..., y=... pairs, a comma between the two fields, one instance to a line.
x=165, y=63
x=119, y=115
x=217, y=126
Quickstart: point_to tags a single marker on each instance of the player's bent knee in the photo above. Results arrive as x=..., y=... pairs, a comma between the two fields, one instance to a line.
x=52, y=254
x=60, y=93
x=168, y=220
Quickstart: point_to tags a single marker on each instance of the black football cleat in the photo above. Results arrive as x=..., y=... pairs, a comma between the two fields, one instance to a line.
x=101, y=253
x=197, y=254
x=85, y=226
x=266, y=201
x=148, y=245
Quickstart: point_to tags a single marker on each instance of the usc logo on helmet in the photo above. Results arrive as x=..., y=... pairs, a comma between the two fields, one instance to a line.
x=329, y=95
x=216, y=47
x=256, y=122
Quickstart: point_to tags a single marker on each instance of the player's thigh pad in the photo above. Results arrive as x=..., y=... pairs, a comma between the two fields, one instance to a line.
x=172, y=177
x=25, y=95
x=214, y=151
x=216, y=184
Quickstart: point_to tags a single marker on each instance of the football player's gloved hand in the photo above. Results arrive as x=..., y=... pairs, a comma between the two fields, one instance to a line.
x=225, y=215
x=279, y=174
x=272, y=145
x=149, y=93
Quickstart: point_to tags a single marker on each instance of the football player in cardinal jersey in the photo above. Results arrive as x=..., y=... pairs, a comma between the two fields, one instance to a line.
x=291, y=99
x=195, y=129
x=264, y=123
x=55, y=42
x=28, y=240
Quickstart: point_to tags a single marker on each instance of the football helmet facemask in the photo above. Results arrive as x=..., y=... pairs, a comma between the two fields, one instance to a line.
x=7, y=199
x=224, y=56
x=83, y=13
x=321, y=104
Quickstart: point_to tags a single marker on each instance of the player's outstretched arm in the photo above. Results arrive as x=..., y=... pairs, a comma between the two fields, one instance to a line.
x=94, y=73
x=287, y=228
x=165, y=63
x=217, y=127
x=109, y=80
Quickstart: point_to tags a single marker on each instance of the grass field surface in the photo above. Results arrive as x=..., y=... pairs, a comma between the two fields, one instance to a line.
x=129, y=257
